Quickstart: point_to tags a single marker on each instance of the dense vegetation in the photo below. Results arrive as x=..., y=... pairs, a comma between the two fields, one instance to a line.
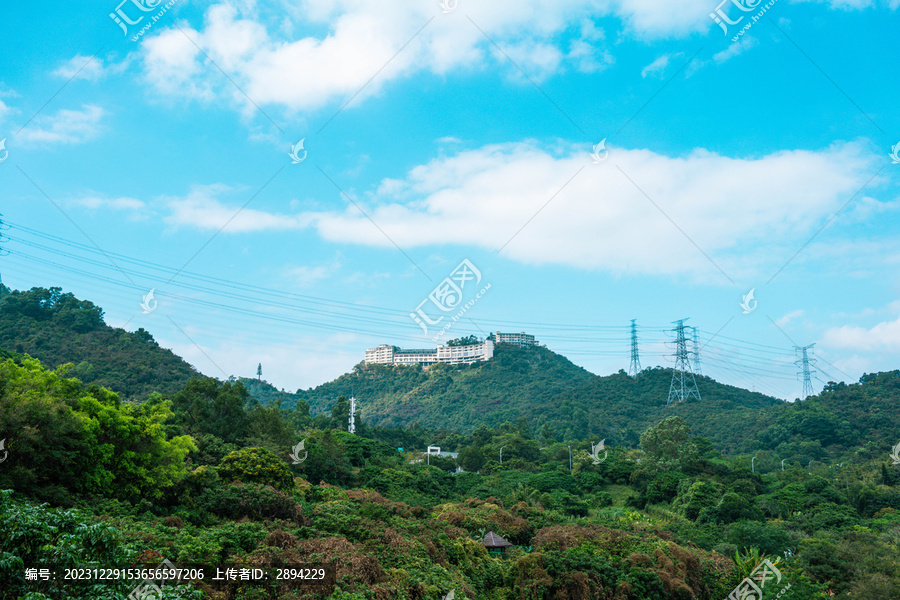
x=545, y=388
x=205, y=474
x=57, y=328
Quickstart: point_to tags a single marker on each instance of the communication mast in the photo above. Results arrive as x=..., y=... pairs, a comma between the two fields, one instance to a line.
x=352, y=428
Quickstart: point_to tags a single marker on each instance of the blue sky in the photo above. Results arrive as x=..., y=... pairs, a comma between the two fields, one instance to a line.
x=436, y=134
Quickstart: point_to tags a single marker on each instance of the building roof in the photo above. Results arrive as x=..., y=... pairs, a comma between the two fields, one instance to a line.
x=492, y=540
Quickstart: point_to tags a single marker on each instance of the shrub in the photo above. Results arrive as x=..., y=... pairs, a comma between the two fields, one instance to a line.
x=257, y=465
x=254, y=501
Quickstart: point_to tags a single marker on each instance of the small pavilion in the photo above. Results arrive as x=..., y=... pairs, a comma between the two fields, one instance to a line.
x=496, y=545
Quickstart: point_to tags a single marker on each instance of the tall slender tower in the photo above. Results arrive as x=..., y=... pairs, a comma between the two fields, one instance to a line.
x=635, y=367
x=803, y=361
x=352, y=428
x=684, y=385
x=696, y=353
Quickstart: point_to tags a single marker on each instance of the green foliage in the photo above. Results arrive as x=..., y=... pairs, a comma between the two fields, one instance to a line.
x=39, y=537
x=57, y=328
x=237, y=501
x=84, y=440
x=257, y=465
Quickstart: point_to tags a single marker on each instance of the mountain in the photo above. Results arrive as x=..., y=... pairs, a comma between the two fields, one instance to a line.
x=546, y=389
x=57, y=328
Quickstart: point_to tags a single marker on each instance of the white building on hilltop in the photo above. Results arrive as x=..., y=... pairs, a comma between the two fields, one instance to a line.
x=451, y=355
x=519, y=339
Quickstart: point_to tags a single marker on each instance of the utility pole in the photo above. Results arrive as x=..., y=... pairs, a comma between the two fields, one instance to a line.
x=803, y=362
x=635, y=367
x=352, y=428
x=684, y=385
x=501, y=454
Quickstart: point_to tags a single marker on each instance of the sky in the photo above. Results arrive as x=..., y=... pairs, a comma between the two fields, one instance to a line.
x=290, y=183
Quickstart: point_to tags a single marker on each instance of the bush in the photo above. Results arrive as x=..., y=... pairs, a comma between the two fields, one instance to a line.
x=257, y=465
x=254, y=501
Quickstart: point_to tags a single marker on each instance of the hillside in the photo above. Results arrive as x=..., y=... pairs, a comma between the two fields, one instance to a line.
x=546, y=389
x=860, y=418
x=57, y=328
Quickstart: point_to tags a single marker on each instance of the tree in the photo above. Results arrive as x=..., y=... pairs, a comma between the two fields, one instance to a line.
x=667, y=444
x=471, y=458
x=257, y=465
x=259, y=372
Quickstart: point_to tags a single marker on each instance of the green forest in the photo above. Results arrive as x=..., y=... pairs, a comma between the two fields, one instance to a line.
x=117, y=455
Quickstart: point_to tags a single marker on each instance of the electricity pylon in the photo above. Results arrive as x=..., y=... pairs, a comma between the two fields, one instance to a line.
x=803, y=362
x=684, y=385
x=635, y=367
x=696, y=353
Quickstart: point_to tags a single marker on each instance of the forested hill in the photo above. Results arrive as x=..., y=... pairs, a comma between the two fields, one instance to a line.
x=58, y=328
x=546, y=389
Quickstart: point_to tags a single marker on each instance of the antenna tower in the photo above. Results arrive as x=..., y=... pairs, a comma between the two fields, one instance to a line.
x=635, y=366
x=803, y=362
x=684, y=385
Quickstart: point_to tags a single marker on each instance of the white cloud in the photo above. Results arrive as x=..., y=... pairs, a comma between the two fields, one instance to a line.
x=65, y=127
x=884, y=336
x=789, y=317
x=309, y=275
x=202, y=209
x=658, y=66
x=363, y=39
x=867, y=207
x=95, y=201
x=81, y=67
x=736, y=48
x=326, y=51
x=744, y=213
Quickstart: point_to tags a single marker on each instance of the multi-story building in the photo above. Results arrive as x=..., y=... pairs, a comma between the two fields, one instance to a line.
x=519, y=339
x=452, y=355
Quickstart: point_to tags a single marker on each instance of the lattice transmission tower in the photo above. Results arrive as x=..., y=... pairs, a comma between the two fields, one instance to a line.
x=696, y=353
x=684, y=385
x=803, y=361
x=635, y=367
